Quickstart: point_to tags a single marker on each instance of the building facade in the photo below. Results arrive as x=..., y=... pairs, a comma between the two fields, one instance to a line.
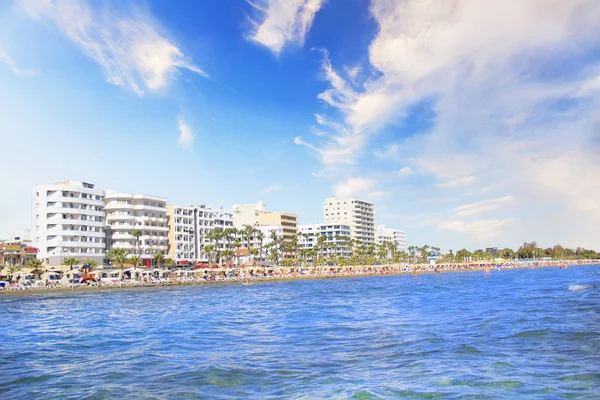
x=190, y=228
x=336, y=239
x=68, y=221
x=128, y=212
x=357, y=214
x=395, y=236
x=182, y=233
x=289, y=225
x=247, y=214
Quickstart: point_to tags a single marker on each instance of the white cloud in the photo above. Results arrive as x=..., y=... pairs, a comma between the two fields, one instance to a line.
x=353, y=187
x=505, y=112
x=129, y=47
x=273, y=188
x=459, y=182
x=389, y=153
x=13, y=66
x=283, y=21
x=186, y=137
x=405, y=171
x=481, y=206
x=480, y=231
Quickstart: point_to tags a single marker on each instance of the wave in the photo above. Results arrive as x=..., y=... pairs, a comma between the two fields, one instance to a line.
x=576, y=288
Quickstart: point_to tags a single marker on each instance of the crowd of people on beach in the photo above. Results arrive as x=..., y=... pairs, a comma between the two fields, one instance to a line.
x=266, y=273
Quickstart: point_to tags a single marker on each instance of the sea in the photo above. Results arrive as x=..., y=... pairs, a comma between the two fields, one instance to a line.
x=521, y=333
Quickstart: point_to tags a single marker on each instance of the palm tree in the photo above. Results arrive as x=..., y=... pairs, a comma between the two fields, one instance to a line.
x=254, y=253
x=209, y=249
x=168, y=262
x=119, y=258
x=260, y=236
x=158, y=259
x=36, y=267
x=70, y=262
x=91, y=263
x=136, y=233
x=248, y=234
x=237, y=243
x=320, y=245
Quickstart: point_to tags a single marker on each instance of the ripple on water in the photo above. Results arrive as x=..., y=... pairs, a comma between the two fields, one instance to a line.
x=390, y=337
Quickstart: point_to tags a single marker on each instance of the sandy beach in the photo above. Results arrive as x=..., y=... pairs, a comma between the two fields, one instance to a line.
x=357, y=271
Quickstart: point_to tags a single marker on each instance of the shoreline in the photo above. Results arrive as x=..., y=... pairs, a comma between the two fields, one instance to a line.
x=422, y=269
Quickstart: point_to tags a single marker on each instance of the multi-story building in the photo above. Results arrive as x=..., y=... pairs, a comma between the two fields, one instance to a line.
x=128, y=212
x=16, y=252
x=209, y=219
x=182, y=233
x=247, y=214
x=289, y=224
x=336, y=239
x=68, y=221
x=357, y=214
x=189, y=229
x=394, y=236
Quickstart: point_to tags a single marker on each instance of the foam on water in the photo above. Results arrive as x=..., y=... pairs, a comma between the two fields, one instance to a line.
x=514, y=335
x=576, y=288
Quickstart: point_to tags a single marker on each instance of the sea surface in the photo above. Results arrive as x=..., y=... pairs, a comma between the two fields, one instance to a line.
x=518, y=334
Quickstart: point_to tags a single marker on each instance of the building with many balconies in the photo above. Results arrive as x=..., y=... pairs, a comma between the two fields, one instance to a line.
x=68, y=221
x=336, y=239
x=127, y=212
x=395, y=236
x=357, y=214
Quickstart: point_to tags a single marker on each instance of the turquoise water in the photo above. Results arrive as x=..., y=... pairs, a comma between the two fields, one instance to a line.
x=519, y=334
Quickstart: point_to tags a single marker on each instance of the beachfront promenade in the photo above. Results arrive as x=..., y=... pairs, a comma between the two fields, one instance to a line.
x=265, y=274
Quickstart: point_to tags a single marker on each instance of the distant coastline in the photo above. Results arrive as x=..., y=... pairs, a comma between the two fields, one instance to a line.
x=322, y=273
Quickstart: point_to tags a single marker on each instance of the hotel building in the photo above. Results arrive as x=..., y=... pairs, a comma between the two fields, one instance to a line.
x=68, y=221
x=126, y=212
x=188, y=230
x=395, y=236
x=357, y=214
x=337, y=238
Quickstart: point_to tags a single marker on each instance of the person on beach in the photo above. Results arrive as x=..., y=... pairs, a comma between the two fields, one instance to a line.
x=415, y=273
x=486, y=271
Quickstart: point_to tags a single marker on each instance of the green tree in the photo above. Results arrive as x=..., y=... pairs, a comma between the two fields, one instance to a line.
x=36, y=267
x=91, y=263
x=70, y=262
x=158, y=259
x=119, y=257
x=209, y=249
x=137, y=233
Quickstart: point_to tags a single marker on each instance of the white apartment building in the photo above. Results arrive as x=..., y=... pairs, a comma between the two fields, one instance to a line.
x=357, y=214
x=68, y=221
x=182, y=233
x=188, y=230
x=247, y=214
x=128, y=211
x=207, y=220
x=336, y=236
x=395, y=236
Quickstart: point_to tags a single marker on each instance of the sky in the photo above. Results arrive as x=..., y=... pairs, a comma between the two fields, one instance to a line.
x=468, y=123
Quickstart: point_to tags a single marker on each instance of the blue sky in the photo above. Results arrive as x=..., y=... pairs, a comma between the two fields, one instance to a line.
x=467, y=125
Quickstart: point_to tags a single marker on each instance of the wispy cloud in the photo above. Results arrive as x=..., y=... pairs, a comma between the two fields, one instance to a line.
x=356, y=187
x=389, y=153
x=459, y=182
x=481, y=206
x=273, y=188
x=131, y=48
x=405, y=171
x=186, y=137
x=283, y=21
x=480, y=230
x=12, y=65
x=502, y=107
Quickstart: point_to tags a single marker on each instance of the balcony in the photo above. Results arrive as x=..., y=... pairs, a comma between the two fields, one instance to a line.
x=117, y=205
